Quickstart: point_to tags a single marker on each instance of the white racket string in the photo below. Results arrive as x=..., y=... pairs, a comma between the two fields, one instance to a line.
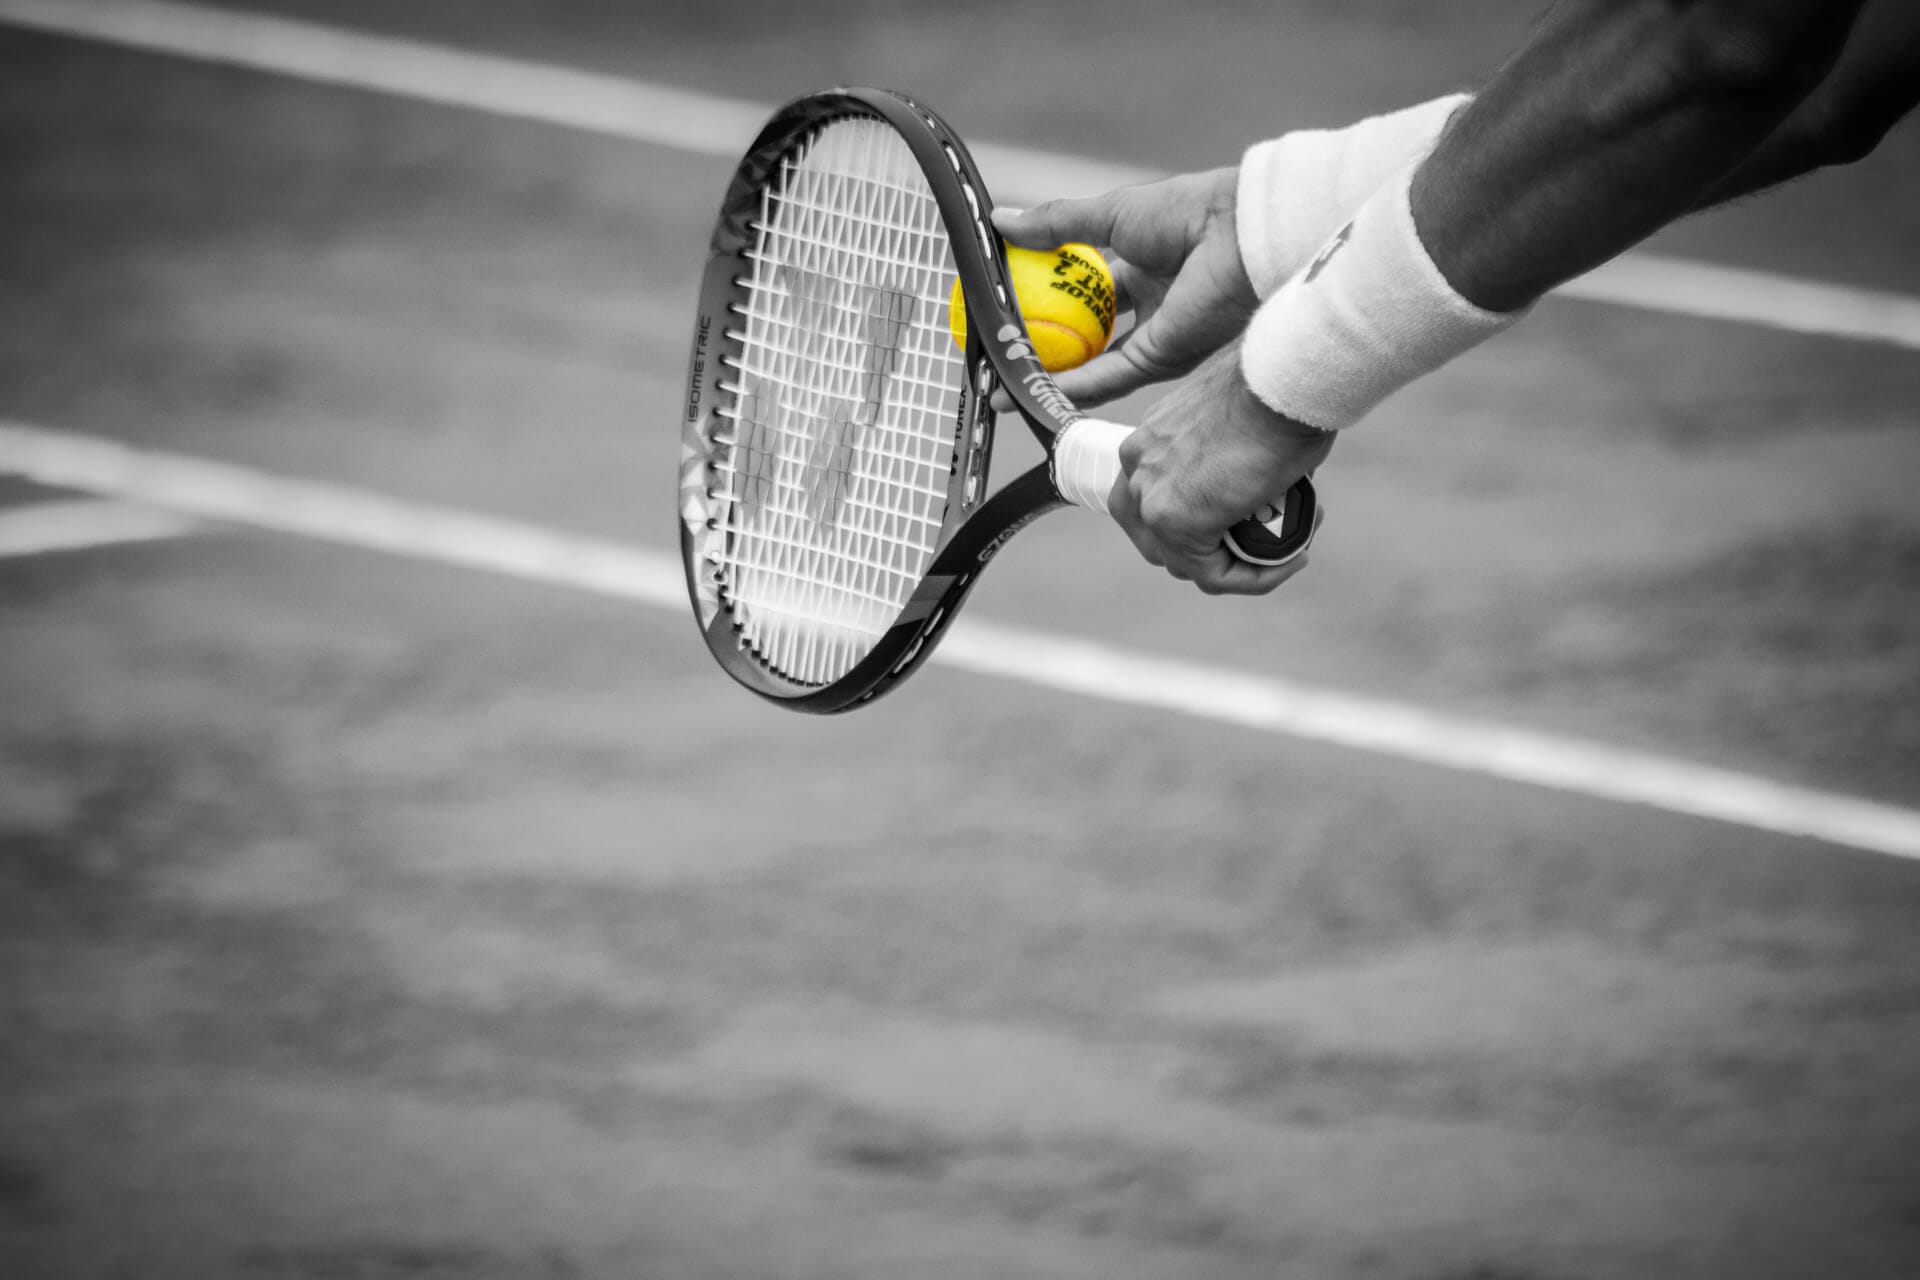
x=843, y=407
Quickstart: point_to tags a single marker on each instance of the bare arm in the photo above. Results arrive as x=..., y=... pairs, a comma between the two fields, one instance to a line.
x=1617, y=117
x=1872, y=86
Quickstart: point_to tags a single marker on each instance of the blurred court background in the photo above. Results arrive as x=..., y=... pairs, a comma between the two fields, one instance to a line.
x=365, y=917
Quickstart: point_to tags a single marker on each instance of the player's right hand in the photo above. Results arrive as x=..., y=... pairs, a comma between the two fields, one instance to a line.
x=1175, y=254
x=1201, y=458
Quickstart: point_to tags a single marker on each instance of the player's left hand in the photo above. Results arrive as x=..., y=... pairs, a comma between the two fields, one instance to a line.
x=1201, y=459
x=1175, y=256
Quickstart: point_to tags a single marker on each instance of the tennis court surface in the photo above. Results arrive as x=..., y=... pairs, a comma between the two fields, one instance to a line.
x=393, y=915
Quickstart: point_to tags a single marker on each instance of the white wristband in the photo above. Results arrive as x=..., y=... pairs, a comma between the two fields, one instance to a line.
x=1368, y=315
x=1297, y=189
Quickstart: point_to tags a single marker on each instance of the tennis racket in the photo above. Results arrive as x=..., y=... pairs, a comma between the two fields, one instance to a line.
x=833, y=488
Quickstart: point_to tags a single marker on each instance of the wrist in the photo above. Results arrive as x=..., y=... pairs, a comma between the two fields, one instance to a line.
x=1293, y=191
x=1369, y=314
x=1223, y=218
x=1278, y=429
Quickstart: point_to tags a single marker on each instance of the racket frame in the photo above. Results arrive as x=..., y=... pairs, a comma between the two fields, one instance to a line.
x=998, y=354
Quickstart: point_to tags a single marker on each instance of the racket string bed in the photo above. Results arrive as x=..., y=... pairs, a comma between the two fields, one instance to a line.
x=834, y=444
x=845, y=404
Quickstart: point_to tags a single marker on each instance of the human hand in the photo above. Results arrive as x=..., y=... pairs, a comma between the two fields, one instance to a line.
x=1176, y=260
x=1201, y=459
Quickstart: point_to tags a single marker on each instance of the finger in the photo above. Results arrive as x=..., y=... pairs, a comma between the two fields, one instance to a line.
x=1135, y=292
x=1185, y=327
x=1243, y=579
x=1120, y=371
x=1101, y=379
x=1088, y=219
x=1225, y=573
x=1125, y=511
x=1206, y=562
x=1228, y=576
x=1088, y=386
x=1193, y=317
x=1131, y=288
x=1149, y=548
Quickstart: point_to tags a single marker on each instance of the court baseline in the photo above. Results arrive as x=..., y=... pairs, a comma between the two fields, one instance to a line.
x=205, y=490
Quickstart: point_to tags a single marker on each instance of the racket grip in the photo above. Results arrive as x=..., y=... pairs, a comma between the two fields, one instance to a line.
x=1086, y=464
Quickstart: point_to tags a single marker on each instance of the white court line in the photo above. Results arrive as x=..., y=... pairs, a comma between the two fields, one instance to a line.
x=711, y=125
x=80, y=523
x=333, y=513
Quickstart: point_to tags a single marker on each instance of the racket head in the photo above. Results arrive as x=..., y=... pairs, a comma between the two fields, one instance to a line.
x=835, y=440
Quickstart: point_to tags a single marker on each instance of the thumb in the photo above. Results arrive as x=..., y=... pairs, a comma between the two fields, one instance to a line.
x=1106, y=377
x=1147, y=355
x=1088, y=220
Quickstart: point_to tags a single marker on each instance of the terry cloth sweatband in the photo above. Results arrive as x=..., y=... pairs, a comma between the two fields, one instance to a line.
x=1295, y=190
x=1368, y=315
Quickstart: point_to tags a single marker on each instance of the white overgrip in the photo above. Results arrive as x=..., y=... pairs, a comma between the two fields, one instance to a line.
x=1086, y=462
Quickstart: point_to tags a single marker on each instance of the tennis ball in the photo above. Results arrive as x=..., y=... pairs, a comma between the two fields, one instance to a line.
x=1066, y=298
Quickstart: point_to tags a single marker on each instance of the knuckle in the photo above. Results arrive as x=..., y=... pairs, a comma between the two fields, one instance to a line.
x=1146, y=354
x=1148, y=548
x=1157, y=510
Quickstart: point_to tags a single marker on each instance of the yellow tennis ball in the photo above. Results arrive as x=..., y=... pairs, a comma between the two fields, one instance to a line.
x=1066, y=298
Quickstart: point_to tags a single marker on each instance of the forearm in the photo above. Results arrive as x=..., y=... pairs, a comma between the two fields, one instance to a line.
x=1616, y=118
x=1873, y=85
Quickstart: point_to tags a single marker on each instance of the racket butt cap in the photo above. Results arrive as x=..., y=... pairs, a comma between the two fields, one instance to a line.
x=1264, y=539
